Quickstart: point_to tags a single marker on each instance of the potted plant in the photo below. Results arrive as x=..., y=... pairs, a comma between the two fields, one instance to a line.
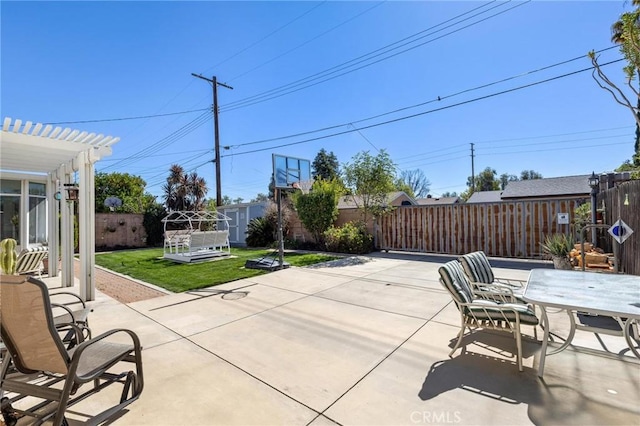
x=8, y=258
x=558, y=246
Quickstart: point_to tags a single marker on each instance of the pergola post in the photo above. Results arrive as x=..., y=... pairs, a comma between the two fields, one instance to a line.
x=86, y=213
x=53, y=223
x=66, y=228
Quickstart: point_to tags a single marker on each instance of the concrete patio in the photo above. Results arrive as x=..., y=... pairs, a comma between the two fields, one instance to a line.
x=360, y=341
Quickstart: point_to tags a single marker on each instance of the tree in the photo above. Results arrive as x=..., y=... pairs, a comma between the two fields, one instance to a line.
x=626, y=33
x=318, y=209
x=529, y=175
x=369, y=179
x=184, y=191
x=260, y=198
x=448, y=194
x=401, y=185
x=238, y=200
x=617, y=36
x=128, y=188
x=505, y=178
x=417, y=181
x=485, y=181
x=325, y=166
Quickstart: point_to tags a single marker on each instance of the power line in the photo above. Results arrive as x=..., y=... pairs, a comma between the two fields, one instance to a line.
x=308, y=41
x=429, y=111
x=166, y=141
x=437, y=99
x=255, y=43
x=140, y=117
x=307, y=81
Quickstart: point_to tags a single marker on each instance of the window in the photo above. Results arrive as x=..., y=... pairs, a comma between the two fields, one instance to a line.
x=10, y=209
x=37, y=213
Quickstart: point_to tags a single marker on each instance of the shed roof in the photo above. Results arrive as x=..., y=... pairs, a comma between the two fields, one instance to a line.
x=485, y=197
x=430, y=201
x=353, y=201
x=548, y=187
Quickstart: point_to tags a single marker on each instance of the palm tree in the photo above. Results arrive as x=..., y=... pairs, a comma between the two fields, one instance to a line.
x=184, y=191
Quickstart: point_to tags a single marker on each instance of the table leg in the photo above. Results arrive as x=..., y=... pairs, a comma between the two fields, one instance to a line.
x=545, y=340
x=572, y=332
x=631, y=326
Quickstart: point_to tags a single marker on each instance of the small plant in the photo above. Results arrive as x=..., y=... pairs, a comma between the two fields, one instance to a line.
x=8, y=256
x=557, y=245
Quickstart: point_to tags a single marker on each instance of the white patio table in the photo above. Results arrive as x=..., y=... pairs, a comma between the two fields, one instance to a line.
x=612, y=295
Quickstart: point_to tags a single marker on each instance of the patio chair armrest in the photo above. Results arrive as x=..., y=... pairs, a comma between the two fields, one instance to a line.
x=511, y=282
x=77, y=298
x=500, y=293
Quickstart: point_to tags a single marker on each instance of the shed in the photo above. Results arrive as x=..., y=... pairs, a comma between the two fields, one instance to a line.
x=239, y=217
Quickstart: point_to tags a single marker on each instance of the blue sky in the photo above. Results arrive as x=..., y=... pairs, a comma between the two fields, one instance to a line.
x=80, y=61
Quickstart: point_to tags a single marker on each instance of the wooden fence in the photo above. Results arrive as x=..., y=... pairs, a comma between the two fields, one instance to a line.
x=505, y=229
x=623, y=202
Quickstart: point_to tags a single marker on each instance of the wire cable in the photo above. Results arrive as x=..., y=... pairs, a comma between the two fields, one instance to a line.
x=437, y=99
x=307, y=82
x=309, y=41
x=140, y=117
x=429, y=111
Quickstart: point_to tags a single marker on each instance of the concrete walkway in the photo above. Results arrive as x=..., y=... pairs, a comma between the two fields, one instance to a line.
x=360, y=341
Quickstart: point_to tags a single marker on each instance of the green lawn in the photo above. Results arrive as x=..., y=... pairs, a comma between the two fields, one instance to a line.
x=149, y=266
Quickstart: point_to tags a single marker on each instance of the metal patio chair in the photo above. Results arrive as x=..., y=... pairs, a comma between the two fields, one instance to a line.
x=478, y=312
x=477, y=267
x=40, y=368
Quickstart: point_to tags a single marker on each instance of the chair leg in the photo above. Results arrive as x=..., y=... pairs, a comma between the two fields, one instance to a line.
x=519, y=345
x=462, y=327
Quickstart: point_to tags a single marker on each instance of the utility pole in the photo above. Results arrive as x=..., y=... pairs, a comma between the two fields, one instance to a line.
x=473, y=173
x=214, y=82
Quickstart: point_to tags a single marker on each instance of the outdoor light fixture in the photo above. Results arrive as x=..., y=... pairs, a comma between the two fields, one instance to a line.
x=72, y=191
x=594, y=181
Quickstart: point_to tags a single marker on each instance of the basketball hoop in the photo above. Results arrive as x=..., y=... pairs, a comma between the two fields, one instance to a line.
x=303, y=185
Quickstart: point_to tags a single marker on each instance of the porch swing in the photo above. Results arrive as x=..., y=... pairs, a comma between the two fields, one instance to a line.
x=195, y=236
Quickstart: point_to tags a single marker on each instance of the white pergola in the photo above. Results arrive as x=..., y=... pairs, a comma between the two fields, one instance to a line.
x=28, y=150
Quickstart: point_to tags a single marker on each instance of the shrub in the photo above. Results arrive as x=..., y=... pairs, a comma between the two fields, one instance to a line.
x=260, y=233
x=318, y=209
x=350, y=238
x=153, y=226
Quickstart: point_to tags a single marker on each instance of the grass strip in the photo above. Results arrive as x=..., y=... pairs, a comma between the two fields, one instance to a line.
x=148, y=265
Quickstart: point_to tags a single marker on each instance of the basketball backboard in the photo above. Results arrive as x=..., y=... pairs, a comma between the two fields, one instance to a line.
x=289, y=170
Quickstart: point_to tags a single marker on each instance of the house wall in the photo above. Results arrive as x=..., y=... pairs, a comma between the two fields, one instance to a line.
x=120, y=230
